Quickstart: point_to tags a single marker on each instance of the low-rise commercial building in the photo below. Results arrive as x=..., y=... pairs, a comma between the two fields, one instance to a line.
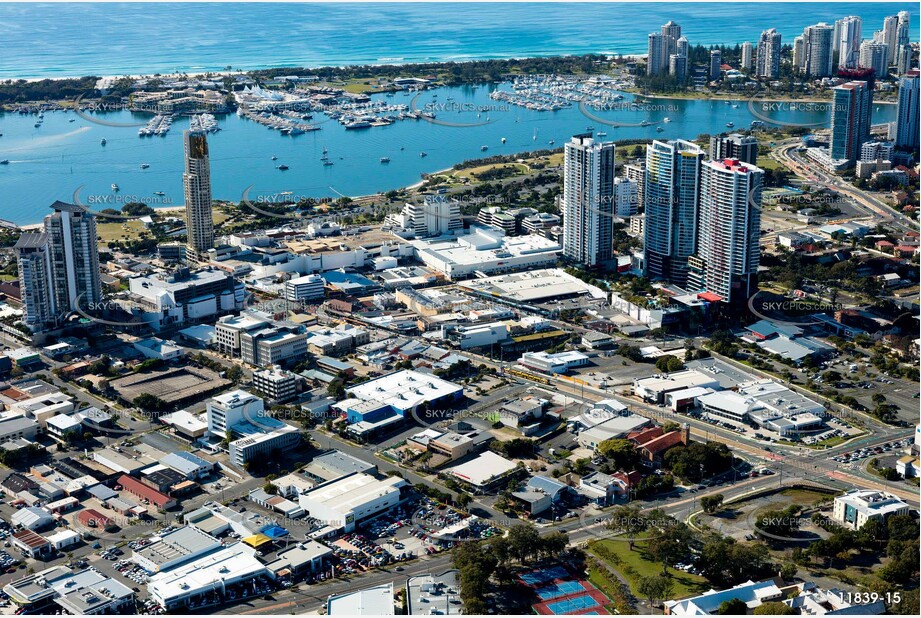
x=342, y=503
x=375, y=601
x=553, y=363
x=174, y=548
x=485, y=250
x=655, y=388
x=78, y=593
x=484, y=472
x=857, y=507
x=198, y=583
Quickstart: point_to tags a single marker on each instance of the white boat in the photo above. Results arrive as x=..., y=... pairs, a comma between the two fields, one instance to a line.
x=484, y=148
x=5, y=162
x=601, y=133
x=159, y=193
x=667, y=120
x=730, y=124
x=144, y=166
x=103, y=141
x=274, y=158
x=503, y=140
x=385, y=159
x=114, y=187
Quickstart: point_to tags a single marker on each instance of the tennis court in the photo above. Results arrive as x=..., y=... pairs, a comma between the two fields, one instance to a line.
x=569, y=606
x=554, y=591
x=544, y=575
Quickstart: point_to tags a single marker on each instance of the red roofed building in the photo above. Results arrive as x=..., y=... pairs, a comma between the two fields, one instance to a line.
x=652, y=449
x=643, y=436
x=906, y=250
x=148, y=494
x=31, y=543
x=884, y=245
x=91, y=518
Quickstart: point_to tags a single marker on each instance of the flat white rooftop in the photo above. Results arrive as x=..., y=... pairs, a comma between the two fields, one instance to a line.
x=534, y=285
x=350, y=492
x=376, y=601
x=404, y=389
x=484, y=468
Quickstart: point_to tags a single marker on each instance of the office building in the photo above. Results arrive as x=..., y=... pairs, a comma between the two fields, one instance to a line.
x=817, y=50
x=670, y=197
x=850, y=120
x=768, y=55
x=310, y=287
x=857, y=507
x=734, y=146
x=716, y=61
x=873, y=56
x=746, y=64
x=729, y=229
x=906, y=127
x=196, y=180
x=273, y=345
x=229, y=409
x=276, y=384
x=625, y=197
x=587, y=201
x=847, y=37
x=657, y=54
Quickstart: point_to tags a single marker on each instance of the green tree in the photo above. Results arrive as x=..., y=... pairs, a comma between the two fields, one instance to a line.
x=711, y=504
x=622, y=453
x=774, y=608
x=628, y=520
x=733, y=607
x=668, y=363
x=655, y=588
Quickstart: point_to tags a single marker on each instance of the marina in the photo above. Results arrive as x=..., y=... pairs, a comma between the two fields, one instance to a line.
x=70, y=158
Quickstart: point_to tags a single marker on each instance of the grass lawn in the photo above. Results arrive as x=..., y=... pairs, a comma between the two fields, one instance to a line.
x=471, y=172
x=805, y=497
x=765, y=162
x=109, y=232
x=5, y=277
x=637, y=564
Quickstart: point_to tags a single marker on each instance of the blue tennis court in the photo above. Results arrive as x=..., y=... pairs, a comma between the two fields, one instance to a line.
x=559, y=590
x=544, y=575
x=572, y=605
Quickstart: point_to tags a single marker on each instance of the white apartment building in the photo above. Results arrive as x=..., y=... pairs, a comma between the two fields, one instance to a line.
x=435, y=216
x=587, y=201
x=730, y=225
x=309, y=287
x=857, y=507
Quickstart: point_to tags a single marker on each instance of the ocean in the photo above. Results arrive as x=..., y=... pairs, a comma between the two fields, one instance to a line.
x=64, y=159
x=75, y=39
